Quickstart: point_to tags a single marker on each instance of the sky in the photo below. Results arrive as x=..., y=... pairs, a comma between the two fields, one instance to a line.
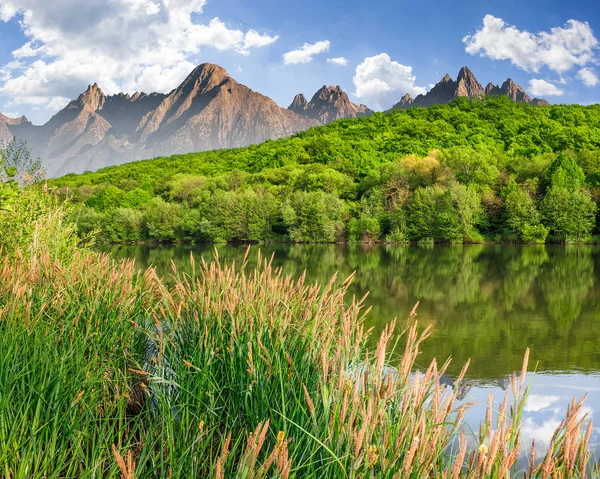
x=376, y=51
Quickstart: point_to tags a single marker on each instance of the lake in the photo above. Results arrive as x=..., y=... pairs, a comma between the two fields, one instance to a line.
x=487, y=303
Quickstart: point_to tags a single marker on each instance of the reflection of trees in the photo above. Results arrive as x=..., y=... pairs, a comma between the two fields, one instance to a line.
x=565, y=283
x=522, y=267
x=487, y=303
x=452, y=274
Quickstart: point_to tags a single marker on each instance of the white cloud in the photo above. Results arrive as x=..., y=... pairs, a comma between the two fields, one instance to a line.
x=306, y=52
x=253, y=39
x=560, y=50
x=380, y=82
x=537, y=402
x=543, y=88
x=124, y=45
x=340, y=61
x=588, y=77
x=57, y=102
x=26, y=51
x=157, y=78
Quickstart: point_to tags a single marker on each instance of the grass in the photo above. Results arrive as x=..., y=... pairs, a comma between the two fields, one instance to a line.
x=229, y=372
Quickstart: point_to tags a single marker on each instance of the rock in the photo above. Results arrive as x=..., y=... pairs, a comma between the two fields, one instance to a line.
x=405, y=102
x=327, y=105
x=539, y=102
x=467, y=85
x=299, y=105
x=492, y=89
x=514, y=92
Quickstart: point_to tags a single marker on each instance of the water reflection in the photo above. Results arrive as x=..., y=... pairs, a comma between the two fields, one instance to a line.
x=545, y=408
x=487, y=303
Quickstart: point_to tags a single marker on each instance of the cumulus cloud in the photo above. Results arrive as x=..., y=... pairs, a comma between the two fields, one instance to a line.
x=340, y=61
x=560, y=49
x=124, y=45
x=306, y=52
x=543, y=88
x=588, y=77
x=380, y=82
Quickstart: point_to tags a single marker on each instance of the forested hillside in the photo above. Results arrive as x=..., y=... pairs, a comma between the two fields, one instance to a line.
x=471, y=171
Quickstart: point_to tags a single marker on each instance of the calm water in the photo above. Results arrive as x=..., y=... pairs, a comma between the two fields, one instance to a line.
x=486, y=303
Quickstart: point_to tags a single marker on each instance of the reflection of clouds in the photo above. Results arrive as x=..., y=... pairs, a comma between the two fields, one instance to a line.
x=540, y=432
x=546, y=406
x=537, y=402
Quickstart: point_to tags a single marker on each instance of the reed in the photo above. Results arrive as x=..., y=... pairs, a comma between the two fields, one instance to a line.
x=229, y=372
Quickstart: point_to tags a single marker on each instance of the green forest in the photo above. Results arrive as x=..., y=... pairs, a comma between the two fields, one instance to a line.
x=469, y=172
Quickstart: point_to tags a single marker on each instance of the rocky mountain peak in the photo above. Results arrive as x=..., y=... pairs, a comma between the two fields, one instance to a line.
x=93, y=97
x=492, y=89
x=299, y=104
x=328, y=104
x=404, y=102
x=330, y=94
x=206, y=77
x=514, y=92
x=465, y=73
x=467, y=85
x=447, y=79
x=540, y=102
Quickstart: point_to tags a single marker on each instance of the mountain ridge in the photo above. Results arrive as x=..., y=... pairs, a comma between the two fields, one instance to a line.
x=209, y=110
x=467, y=86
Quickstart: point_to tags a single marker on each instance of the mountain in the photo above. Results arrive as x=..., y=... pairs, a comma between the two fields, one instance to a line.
x=5, y=124
x=327, y=105
x=209, y=110
x=466, y=85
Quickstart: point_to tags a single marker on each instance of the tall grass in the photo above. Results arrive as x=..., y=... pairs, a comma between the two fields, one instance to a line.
x=233, y=373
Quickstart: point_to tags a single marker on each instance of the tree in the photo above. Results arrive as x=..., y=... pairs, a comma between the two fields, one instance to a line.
x=136, y=198
x=8, y=187
x=422, y=213
x=564, y=172
x=314, y=217
x=162, y=221
x=467, y=205
x=569, y=215
x=108, y=198
x=123, y=225
x=471, y=166
x=17, y=160
x=523, y=219
x=17, y=168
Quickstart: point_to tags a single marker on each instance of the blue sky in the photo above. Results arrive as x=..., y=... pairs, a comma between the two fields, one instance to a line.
x=377, y=51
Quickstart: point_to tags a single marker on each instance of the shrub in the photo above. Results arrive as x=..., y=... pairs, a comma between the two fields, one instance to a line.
x=37, y=223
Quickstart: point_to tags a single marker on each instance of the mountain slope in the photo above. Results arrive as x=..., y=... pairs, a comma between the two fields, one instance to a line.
x=467, y=86
x=327, y=105
x=209, y=110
